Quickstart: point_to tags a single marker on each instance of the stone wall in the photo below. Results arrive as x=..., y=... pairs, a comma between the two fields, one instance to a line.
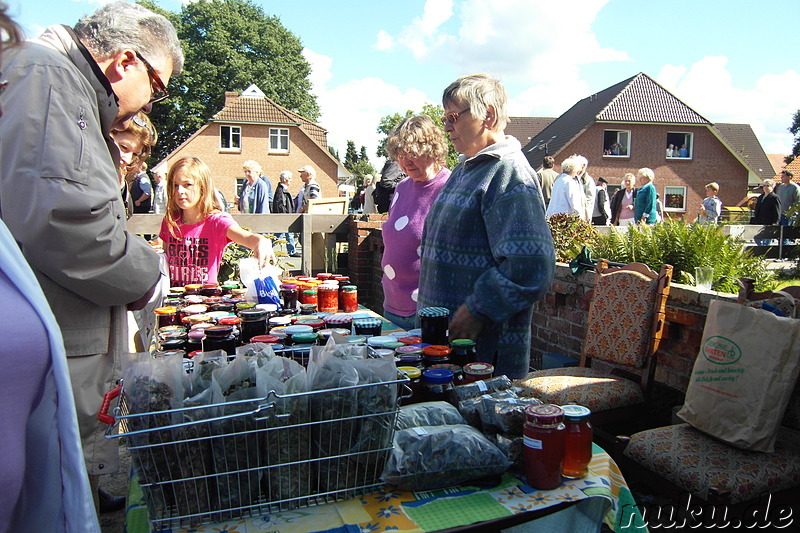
x=559, y=320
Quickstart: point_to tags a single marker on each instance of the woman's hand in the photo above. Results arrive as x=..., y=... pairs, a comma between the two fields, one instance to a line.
x=465, y=325
x=263, y=251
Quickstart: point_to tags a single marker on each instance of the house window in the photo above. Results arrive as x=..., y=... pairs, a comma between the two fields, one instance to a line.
x=278, y=140
x=680, y=145
x=230, y=138
x=616, y=143
x=675, y=198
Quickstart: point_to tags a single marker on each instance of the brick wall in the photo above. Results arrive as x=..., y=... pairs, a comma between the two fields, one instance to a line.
x=559, y=319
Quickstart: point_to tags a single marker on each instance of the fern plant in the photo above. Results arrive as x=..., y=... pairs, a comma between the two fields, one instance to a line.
x=686, y=246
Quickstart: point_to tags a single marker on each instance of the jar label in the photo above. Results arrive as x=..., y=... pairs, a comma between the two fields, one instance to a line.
x=536, y=444
x=482, y=386
x=420, y=431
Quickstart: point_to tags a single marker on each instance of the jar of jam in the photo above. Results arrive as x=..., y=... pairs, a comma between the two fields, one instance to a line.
x=455, y=369
x=477, y=371
x=414, y=376
x=220, y=338
x=228, y=286
x=167, y=316
x=210, y=289
x=192, y=288
x=410, y=341
x=254, y=322
x=368, y=326
x=339, y=320
x=289, y=294
x=544, y=445
x=464, y=351
x=438, y=385
x=234, y=321
x=194, y=340
x=409, y=360
x=348, y=298
x=324, y=276
x=577, y=441
x=265, y=339
x=325, y=334
x=227, y=307
x=379, y=341
x=315, y=323
x=241, y=306
x=435, y=354
x=308, y=309
x=434, y=323
x=309, y=296
x=328, y=298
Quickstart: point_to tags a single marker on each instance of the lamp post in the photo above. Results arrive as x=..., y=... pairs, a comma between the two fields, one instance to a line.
x=543, y=144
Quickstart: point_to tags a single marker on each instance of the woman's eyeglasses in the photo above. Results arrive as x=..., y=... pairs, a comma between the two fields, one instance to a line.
x=452, y=118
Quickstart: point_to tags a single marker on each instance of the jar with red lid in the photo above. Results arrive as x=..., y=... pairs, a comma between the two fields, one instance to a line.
x=410, y=340
x=265, y=339
x=328, y=298
x=477, y=371
x=544, y=445
x=434, y=322
x=348, y=298
x=210, y=289
x=324, y=276
x=167, y=316
x=435, y=354
x=577, y=441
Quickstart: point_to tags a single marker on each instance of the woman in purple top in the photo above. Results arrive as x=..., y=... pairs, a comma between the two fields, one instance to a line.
x=420, y=148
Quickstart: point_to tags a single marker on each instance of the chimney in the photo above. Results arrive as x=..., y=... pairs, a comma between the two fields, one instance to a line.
x=230, y=96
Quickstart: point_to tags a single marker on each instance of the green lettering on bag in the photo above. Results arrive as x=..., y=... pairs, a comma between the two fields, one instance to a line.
x=721, y=351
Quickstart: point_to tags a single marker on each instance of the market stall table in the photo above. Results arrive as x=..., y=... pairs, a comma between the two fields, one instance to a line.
x=580, y=505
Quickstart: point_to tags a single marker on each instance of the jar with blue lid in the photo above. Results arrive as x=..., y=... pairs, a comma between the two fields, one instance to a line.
x=434, y=323
x=438, y=385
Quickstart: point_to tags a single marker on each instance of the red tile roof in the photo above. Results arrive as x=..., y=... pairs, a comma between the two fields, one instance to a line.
x=742, y=141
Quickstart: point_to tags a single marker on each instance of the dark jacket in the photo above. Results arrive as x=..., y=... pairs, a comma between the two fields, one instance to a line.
x=768, y=210
x=282, y=202
x=616, y=204
x=391, y=175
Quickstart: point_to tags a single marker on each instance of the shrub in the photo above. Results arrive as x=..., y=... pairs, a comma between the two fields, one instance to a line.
x=570, y=234
x=685, y=246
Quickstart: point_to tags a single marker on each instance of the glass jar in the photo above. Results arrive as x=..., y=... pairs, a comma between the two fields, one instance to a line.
x=348, y=298
x=289, y=296
x=577, y=441
x=455, y=369
x=414, y=376
x=227, y=307
x=228, y=286
x=167, y=316
x=379, y=341
x=410, y=341
x=324, y=276
x=328, y=299
x=434, y=323
x=265, y=339
x=194, y=340
x=544, y=445
x=438, y=385
x=464, y=351
x=210, y=289
x=436, y=354
x=368, y=326
x=325, y=334
x=340, y=321
x=254, y=322
x=220, y=338
x=308, y=297
x=192, y=288
x=477, y=371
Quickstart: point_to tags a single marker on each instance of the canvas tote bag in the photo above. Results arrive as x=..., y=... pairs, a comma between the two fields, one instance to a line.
x=743, y=376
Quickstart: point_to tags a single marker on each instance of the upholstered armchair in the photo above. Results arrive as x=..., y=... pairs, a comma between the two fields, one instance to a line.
x=624, y=328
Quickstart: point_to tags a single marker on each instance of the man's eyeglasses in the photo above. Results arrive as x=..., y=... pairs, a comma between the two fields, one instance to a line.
x=160, y=90
x=452, y=118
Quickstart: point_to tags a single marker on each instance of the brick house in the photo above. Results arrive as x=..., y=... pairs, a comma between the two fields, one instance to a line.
x=251, y=126
x=631, y=124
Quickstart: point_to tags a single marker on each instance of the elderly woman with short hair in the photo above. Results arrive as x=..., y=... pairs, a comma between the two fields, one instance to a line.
x=256, y=194
x=487, y=252
x=420, y=148
x=567, y=194
x=645, y=206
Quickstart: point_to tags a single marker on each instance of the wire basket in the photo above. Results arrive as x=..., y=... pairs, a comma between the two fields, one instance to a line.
x=213, y=463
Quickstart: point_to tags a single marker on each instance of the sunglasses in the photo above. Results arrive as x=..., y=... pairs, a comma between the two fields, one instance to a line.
x=160, y=90
x=452, y=118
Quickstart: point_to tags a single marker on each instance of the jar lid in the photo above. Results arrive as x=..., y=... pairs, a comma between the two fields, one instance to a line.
x=410, y=340
x=409, y=358
x=308, y=309
x=367, y=322
x=171, y=327
x=544, y=415
x=437, y=375
x=174, y=334
x=244, y=305
x=315, y=323
x=228, y=285
x=222, y=306
x=289, y=286
x=266, y=339
x=210, y=286
x=229, y=321
x=393, y=345
x=216, y=315
x=434, y=312
x=576, y=413
x=253, y=314
x=197, y=334
x=436, y=350
x=411, y=371
x=479, y=369
x=408, y=350
x=193, y=299
x=462, y=343
x=324, y=275
x=455, y=369
x=279, y=332
x=267, y=308
x=325, y=333
x=379, y=340
x=165, y=310
x=349, y=288
x=219, y=331
x=280, y=321
x=339, y=318
x=304, y=338
x=193, y=286
x=193, y=354
x=310, y=291
x=383, y=352
x=294, y=329
x=202, y=325
x=356, y=339
x=199, y=317
x=177, y=290
x=195, y=309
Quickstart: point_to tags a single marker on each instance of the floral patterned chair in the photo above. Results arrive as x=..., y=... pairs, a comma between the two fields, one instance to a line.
x=624, y=327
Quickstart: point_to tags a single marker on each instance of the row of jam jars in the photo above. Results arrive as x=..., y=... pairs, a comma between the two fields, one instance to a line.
x=558, y=442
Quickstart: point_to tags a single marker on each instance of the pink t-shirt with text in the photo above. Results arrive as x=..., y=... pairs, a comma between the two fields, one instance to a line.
x=195, y=254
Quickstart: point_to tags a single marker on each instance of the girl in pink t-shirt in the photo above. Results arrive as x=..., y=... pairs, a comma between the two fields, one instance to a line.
x=195, y=230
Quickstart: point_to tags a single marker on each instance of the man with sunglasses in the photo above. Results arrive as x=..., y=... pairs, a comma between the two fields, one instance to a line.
x=59, y=188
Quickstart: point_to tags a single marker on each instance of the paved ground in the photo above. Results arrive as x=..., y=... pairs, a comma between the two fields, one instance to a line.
x=116, y=485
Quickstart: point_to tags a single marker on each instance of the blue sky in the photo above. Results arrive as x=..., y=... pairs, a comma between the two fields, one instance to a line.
x=730, y=60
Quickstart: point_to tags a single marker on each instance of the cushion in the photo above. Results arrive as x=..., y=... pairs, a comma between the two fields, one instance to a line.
x=620, y=317
x=583, y=386
x=694, y=461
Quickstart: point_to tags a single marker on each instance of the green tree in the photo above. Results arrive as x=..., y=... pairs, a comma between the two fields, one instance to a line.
x=795, y=130
x=350, y=156
x=390, y=122
x=229, y=45
x=358, y=163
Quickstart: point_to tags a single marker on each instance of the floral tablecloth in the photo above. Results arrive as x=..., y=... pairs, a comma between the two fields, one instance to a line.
x=601, y=495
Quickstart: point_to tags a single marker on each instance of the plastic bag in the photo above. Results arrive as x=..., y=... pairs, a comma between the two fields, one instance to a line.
x=504, y=415
x=428, y=414
x=261, y=283
x=477, y=388
x=432, y=457
x=470, y=408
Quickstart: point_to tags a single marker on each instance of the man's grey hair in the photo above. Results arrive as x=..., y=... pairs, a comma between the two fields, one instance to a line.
x=120, y=25
x=478, y=92
x=570, y=165
x=285, y=176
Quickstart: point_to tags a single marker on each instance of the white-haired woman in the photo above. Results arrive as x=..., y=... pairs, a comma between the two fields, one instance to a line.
x=256, y=194
x=567, y=195
x=645, y=207
x=487, y=253
x=622, y=202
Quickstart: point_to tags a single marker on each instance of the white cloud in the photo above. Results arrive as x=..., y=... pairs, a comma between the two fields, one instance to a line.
x=384, y=41
x=708, y=87
x=353, y=110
